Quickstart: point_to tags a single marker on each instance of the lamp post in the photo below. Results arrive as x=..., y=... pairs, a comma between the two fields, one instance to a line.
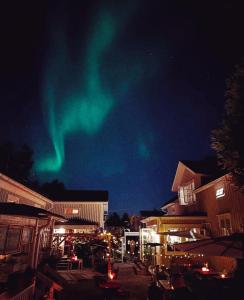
x=108, y=236
x=110, y=275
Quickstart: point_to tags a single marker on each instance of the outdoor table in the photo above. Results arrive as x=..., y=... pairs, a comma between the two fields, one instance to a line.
x=72, y=263
x=207, y=273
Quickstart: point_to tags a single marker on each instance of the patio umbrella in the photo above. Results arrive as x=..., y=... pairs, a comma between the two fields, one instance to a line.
x=153, y=244
x=231, y=246
x=182, y=233
x=190, y=234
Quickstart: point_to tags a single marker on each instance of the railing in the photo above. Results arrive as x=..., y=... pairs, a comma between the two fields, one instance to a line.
x=26, y=294
x=48, y=285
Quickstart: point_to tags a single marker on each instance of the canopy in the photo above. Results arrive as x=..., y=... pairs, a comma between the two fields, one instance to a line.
x=183, y=233
x=190, y=234
x=232, y=246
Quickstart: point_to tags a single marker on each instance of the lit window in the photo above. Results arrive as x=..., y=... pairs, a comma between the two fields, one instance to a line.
x=186, y=194
x=225, y=225
x=220, y=192
x=71, y=211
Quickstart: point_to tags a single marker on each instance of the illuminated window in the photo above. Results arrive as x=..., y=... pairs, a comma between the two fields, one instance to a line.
x=186, y=194
x=71, y=211
x=220, y=192
x=225, y=224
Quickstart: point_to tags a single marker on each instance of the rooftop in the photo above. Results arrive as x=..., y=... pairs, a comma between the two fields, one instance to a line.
x=78, y=221
x=171, y=200
x=151, y=213
x=81, y=196
x=207, y=165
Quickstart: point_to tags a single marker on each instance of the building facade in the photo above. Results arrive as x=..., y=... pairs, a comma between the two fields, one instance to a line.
x=26, y=230
x=217, y=197
x=206, y=205
x=90, y=206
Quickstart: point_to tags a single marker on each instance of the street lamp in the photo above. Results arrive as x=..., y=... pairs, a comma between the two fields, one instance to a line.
x=110, y=273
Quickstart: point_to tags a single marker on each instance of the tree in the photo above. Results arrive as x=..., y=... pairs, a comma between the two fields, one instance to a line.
x=113, y=220
x=125, y=220
x=228, y=141
x=52, y=189
x=16, y=163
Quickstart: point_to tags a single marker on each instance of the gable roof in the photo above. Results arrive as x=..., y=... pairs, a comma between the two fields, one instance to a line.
x=206, y=167
x=21, y=190
x=77, y=221
x=81, y=196
x=171, y=200
x=152, y=213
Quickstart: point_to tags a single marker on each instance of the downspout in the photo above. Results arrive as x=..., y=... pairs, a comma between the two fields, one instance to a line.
x=51, y=237
x=49, y=221
x=34, y=244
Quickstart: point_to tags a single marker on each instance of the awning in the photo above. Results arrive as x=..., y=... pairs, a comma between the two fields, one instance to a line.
x=183, y=233
x=153, y=244
x=232, y=246
x=190, y=234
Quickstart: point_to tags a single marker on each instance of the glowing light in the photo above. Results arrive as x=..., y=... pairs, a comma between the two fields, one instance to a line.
x=59, y=230
x=74, y=257
x=205, y=269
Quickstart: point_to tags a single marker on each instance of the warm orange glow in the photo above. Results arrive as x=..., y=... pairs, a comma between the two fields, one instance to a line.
x=222, y=275
x=111, y=276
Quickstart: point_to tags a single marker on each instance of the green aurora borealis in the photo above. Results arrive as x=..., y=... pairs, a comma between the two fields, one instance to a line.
x=80, y=101
x=83, y=108
x=111, y=94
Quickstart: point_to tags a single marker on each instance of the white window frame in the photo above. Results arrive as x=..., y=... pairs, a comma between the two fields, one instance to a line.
x=227, y=228
x=219, y=192
x=186, y=193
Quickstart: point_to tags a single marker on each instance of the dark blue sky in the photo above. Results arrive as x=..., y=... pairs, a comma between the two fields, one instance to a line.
x=112, y=94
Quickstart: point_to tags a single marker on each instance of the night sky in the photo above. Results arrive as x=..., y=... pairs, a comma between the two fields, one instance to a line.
x=112, y=94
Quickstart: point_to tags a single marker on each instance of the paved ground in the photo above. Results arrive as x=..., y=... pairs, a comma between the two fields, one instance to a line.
x=136, y=284
x=82, y=284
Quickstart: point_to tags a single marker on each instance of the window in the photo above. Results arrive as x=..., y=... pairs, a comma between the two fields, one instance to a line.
x=71, y=211
x=225, y=224
x=186, y=195
x=219, y=192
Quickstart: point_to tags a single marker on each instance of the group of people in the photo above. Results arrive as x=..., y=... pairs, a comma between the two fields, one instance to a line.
x=155, y=292
x=158, y=292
